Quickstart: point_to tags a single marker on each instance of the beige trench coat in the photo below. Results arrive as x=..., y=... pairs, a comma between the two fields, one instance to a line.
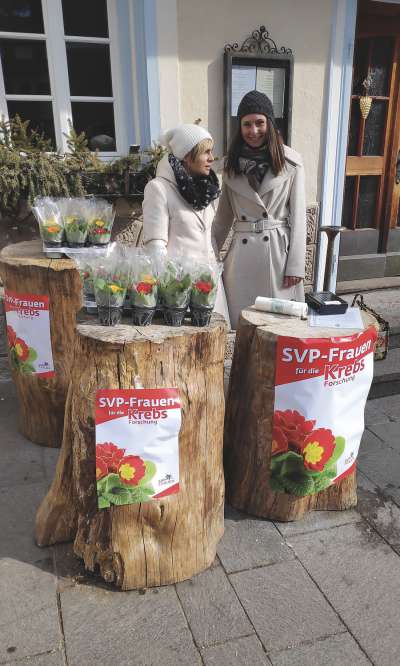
x=261, y=254
x=169, y=218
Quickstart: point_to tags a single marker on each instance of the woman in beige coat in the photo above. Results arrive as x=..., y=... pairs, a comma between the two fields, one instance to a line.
x=180, y=202
x=263, y=198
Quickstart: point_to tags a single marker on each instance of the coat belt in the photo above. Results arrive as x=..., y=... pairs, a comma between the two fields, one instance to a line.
x=258, y=226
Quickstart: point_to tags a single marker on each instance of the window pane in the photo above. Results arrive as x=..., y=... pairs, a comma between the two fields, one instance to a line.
x=85, y=19
x=354, y=129
x=381, y=65
x=25, y=67
x=39, y=113
x=375, y=128
x=21, y=16
x=96, y=119
x=348, y=200
x=89, y=69
x=367, y=199
x=360, y=65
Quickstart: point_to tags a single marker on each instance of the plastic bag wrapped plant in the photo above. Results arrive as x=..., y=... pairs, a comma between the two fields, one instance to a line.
x=84, y=262
x=111, y=276
x=50, y=221
x=175, y=286
x=101, y=221
x=204, y=292
x=143, y=286
x=76, y=215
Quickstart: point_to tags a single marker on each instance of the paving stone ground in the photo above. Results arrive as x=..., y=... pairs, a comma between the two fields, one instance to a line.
x=323, y=591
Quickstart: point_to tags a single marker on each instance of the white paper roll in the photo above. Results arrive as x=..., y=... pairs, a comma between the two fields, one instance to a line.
x=281, y=306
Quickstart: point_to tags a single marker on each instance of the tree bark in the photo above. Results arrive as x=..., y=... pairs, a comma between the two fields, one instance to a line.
x=25, y=269
x=249, y=417
x=165, y=540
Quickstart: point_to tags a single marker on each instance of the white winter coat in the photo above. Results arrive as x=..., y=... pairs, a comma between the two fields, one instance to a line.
x=168, y=217
x=257, y=262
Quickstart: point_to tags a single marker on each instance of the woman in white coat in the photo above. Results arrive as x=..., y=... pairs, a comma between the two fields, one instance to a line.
x=263, y=198
x=180, y=202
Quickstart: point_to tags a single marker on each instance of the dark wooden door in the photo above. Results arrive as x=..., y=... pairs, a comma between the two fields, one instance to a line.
x=371, y=196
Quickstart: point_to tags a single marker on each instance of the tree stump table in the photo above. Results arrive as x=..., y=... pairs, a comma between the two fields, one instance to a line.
x=165, y=540
x=249, y=419
x=26, y=270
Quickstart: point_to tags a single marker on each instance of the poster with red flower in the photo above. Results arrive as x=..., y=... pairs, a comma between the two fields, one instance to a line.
x=321, y=387
x=28, y=333
x=137, y=445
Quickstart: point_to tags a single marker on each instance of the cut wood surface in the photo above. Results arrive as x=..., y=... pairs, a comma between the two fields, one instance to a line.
x=249, y=417
x=25, y=269
x=165, y=540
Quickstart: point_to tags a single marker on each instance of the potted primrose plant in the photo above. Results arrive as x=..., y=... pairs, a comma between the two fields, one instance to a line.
x=75, y=213
x=110, y=280
x=51, y=225
x=143, y=288
x=204, y=293
x=100, y=223
x=175, y=285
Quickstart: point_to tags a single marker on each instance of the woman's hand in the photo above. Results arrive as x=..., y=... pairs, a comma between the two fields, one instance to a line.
x=291, y=280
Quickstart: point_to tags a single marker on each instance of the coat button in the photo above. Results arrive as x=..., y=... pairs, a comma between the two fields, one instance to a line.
x=266, y=238
x=244, y=218
x=244, y=241
x=265, y=214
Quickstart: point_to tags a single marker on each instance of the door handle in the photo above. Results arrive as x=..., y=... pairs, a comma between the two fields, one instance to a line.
x=398, y=169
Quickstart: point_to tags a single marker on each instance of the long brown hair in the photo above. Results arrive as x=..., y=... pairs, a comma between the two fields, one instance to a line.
x=274, y=145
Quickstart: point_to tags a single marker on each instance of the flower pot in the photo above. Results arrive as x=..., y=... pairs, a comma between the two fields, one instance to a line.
x=142, y=316
x=108, y=315
x=200, y=315
x=174, y=316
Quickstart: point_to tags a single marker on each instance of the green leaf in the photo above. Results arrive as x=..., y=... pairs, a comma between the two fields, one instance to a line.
x=26, y=368
x=323, y=482
x=151, y=469
x=101, y=485
x=276, y=485
x=340, y=444
x=32, y=356
x=330, y=471
x=113, y=481
x=303, y=487
x=149, y=490
x=102, y=502
x=119, y=497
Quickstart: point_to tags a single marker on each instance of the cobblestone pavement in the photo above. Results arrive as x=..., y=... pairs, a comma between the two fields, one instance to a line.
x=322, y=591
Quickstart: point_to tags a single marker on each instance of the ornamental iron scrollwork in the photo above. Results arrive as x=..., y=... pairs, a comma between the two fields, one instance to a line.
x=259, y=43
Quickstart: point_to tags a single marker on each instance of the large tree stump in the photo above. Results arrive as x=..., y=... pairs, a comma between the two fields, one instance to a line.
x=249, y=418
x=25, y=269
x=165, y=540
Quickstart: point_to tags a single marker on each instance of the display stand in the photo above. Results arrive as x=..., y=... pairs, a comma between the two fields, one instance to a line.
x=24, y=269
x=162, y=541
x=249, y=417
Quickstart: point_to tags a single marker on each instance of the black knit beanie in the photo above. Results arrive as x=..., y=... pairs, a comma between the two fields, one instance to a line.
x=256, y=102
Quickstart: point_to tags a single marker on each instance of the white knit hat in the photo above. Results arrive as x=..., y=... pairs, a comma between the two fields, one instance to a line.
x=180, y=140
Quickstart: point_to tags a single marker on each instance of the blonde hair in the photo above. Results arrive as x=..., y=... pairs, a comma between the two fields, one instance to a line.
x=200, y=148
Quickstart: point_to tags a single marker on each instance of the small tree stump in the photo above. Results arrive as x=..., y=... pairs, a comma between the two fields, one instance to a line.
x=25, y=269
x=165, y=540
x=249, y=417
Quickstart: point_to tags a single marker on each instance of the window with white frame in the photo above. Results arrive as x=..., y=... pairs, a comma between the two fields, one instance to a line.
x=59, y=63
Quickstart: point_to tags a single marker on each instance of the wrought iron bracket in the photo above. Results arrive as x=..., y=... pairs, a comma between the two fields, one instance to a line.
x=258, y=43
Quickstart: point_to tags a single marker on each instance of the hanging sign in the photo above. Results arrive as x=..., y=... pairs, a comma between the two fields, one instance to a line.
x=28, y=333
x=137, y=445
x=321, y=387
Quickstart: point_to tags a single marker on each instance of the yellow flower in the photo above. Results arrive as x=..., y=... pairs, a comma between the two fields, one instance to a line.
x=115, y=288
x=313, y=452
x=127, y=472
x=99, y=223
x=149, y=279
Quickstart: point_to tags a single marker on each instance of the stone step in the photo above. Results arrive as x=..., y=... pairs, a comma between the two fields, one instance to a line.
x=386, y=376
